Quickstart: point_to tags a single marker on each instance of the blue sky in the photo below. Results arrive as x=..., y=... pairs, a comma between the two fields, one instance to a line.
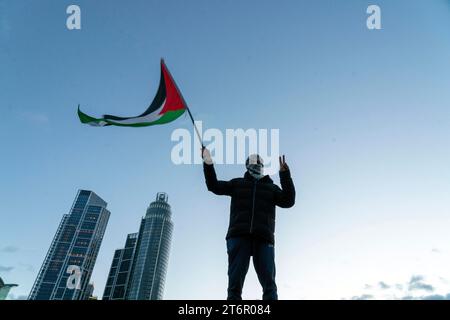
x=363, y=116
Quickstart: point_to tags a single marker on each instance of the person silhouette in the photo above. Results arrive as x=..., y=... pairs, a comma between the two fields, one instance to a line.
x=252, y=221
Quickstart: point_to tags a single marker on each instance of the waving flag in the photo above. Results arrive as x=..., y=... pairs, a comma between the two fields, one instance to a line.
x=167, y=106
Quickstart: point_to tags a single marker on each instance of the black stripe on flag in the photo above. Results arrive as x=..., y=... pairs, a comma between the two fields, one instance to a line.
x=155, y=105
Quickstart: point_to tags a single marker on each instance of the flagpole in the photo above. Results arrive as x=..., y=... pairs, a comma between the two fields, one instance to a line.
x=196, y=129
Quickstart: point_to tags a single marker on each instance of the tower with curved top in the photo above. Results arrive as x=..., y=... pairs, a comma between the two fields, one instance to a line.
x=152, y=252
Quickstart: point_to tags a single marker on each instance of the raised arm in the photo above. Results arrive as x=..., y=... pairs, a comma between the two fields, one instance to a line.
x=215, y=186
x=285, y=198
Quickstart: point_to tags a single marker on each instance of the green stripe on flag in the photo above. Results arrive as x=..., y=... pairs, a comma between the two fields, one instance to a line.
x=84, y=118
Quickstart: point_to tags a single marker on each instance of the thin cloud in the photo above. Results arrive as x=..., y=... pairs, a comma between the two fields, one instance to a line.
x=416, y=283
x=6, y=269
x=416, y=278
x=9, y=249
x=411, y=290
x=436, y=297
x=363, y=297
x=28, y=267
x=36, y=118
x=428, y=297
x=399, y=286
x=444, y=280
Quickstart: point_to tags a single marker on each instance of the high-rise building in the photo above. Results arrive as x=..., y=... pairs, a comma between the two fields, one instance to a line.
x=68, y=265
x=151, y=257
x=89, y=292
x=117, y=285
x=4, y=289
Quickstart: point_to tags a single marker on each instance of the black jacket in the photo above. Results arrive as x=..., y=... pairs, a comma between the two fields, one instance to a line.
x=252, y=210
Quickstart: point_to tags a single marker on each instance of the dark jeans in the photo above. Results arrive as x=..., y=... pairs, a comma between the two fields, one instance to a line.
x=240, y=249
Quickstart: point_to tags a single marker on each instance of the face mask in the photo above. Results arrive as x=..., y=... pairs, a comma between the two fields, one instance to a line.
x=255, y=166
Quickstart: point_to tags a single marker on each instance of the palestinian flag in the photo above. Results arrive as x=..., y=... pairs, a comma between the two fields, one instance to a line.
x=167, y=106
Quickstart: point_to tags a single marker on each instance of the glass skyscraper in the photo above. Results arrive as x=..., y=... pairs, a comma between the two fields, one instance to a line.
x=118, y=283
x=89, y=292
x=148, y=272
x=73, y=251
